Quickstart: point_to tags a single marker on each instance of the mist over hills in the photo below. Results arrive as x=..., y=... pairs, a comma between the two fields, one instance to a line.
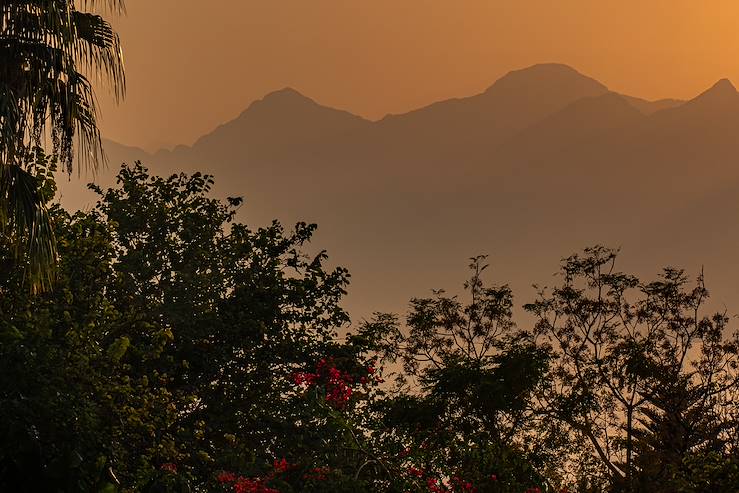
x=544, y=162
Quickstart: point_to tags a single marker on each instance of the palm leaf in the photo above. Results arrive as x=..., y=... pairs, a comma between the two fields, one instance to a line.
x=50, y=50
x=25, y=219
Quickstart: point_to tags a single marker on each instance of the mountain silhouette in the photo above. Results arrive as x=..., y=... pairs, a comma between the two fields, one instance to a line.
x=281, y=121
x=466, y=128
x=575, y=127
x=515, y=101
x=542, y=163
x=650, y=107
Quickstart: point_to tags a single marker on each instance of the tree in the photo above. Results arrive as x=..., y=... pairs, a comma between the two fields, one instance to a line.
x=462, y=406
x=640, y=373
x=169, y=343
x=49, y=52
x=180, y=350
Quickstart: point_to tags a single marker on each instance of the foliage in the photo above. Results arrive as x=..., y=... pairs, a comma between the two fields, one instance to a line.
x=180, y=350
x=704, y=472
x=641, y=373
x=462, y=403
x=50, y=50
x=175, y=331
x=25, y=224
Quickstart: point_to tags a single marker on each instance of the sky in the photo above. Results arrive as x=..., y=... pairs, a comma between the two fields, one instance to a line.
x=191, y=68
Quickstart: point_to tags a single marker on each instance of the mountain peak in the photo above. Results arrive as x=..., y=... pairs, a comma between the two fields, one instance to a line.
x=547, y=68
x=720, y=91
x=286, y=94
x=723, y=86
x=284, y=115
x=720, y=97
x=282, y=102
x=547, y=73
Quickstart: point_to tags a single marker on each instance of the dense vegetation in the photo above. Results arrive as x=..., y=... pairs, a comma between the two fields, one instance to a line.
x=179, y=350
x=155, y=344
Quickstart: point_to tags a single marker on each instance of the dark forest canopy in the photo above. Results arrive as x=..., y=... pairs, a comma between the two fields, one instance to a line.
x=179, y=350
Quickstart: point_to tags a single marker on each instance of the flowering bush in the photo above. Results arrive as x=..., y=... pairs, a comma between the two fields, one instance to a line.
x=336, y=386
x=240, y=484
x=287, y=477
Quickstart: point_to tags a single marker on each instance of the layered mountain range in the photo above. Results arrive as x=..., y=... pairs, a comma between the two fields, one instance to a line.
x=543, y=163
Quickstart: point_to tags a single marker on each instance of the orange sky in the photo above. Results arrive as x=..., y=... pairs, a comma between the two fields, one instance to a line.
x=192, y=67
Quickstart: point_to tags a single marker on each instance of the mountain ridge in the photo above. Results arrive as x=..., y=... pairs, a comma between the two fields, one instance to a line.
x=541, y=163
x=292, y=96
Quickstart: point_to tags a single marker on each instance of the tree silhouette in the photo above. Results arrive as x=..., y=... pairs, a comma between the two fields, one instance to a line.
x=641, y=374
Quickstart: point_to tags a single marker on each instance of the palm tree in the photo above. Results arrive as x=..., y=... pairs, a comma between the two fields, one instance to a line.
x=49, y=52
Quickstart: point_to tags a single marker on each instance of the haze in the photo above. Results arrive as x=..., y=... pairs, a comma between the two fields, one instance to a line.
x=191, y=68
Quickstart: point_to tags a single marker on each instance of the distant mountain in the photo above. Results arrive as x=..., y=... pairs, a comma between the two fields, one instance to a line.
x=573, y=128
x=282, y=122
x=514, y=102
x=649, y=107
x=542, y=163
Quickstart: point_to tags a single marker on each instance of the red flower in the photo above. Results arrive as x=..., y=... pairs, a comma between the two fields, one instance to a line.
x=247, y=485
x=281, y=465
x=434, y=486
x=169, y=467
x=338, y=385
x=317, y=474
x=226, y=477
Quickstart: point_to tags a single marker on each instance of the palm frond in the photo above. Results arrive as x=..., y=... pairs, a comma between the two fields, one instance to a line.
x=46, y=48
x=25, y=219
x=98, y=50
x=50, y=50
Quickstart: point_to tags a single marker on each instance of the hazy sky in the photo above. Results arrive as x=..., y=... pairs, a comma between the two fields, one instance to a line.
x=191, y=67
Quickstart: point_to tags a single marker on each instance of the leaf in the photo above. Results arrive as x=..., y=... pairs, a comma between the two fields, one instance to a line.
x=118, y=348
